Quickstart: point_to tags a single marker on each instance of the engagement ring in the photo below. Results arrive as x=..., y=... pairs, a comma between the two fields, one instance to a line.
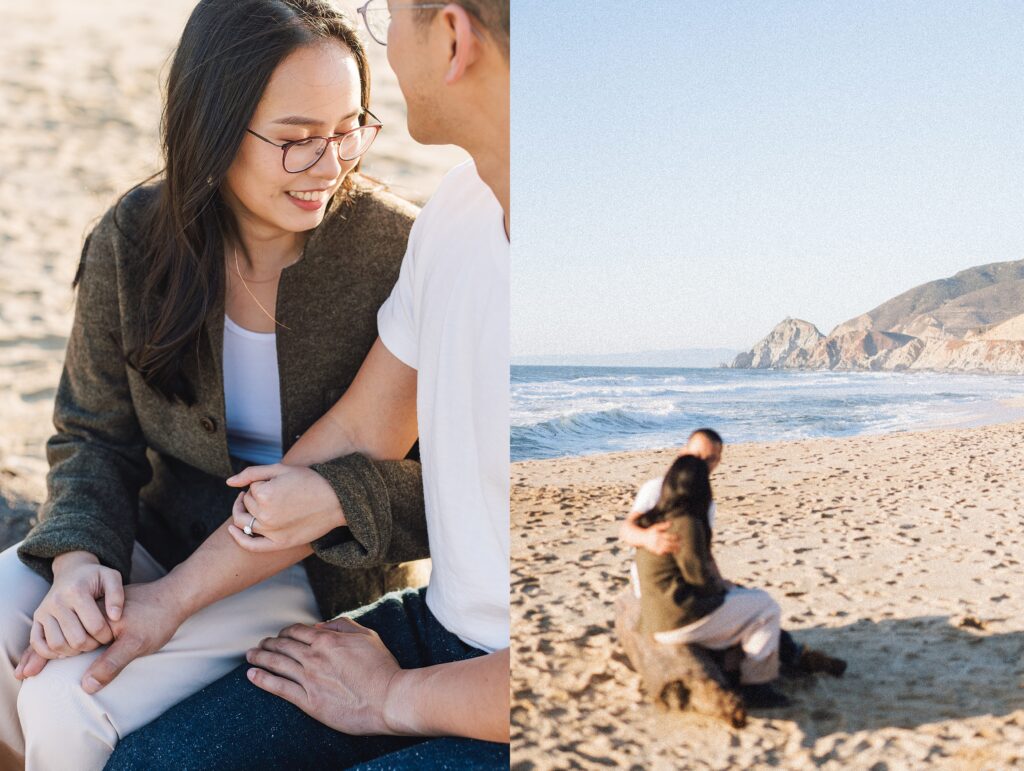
x=248, y=528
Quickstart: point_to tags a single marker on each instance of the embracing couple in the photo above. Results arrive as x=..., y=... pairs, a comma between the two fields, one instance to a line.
x=260, y=338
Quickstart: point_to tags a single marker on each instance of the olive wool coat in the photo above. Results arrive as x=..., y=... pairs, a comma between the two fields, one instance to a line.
x=678, y=589
x=127, y=464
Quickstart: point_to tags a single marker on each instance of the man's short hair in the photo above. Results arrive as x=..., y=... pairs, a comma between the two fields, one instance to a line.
x=493, y=15
x=708, y=433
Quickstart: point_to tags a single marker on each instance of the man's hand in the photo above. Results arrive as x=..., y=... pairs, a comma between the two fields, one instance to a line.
x=340, y=673
x=337, y=672
x=150, y=618
x=657, y=539
x=293, y=506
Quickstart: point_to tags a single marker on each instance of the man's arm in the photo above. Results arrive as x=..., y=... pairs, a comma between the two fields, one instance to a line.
x=463, y=698
x=630, y=533
x=657, y=539
x=376, y=416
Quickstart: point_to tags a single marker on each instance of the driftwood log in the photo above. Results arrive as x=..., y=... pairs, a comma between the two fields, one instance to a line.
x=683, y=677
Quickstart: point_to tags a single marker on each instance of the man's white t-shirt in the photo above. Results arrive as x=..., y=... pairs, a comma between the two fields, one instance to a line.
x=448, y=317
x=650, y=492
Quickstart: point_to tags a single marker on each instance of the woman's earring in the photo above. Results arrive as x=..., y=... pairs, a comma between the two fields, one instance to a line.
x=209, y=181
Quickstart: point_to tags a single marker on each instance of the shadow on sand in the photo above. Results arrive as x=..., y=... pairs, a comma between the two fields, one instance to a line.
x=908, y=673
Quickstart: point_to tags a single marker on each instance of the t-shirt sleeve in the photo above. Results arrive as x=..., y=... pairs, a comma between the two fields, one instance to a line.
x=396, y=319
x=647, y=497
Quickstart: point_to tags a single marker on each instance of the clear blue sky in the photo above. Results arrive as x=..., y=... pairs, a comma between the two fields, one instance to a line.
x=687, y=174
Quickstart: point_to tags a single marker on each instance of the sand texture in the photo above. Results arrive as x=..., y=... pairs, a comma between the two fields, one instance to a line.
x=900, y=553
x=79, y=113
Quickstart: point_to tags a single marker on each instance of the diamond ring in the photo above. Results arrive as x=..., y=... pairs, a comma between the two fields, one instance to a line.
x=248, y=528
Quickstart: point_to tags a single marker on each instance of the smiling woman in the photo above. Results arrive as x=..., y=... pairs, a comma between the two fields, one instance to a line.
x=323, y=76
x=221, y=309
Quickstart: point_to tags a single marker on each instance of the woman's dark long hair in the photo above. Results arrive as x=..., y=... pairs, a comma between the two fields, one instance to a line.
x=227, y=54
x=686, y=492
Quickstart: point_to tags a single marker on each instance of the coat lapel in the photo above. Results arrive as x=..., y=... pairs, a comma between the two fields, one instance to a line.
x=211, y=388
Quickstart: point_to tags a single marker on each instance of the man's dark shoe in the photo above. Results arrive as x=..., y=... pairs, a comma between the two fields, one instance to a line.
x=763, y=696
x=816, y=661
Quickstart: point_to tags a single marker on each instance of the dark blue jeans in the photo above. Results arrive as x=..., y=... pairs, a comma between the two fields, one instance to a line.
x=232, y=724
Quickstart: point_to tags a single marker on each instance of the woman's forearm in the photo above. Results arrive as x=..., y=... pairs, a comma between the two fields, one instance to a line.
x=70, y=559
x=219, y=568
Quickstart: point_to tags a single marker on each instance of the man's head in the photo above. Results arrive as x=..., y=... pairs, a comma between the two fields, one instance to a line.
x=706, y=444
x=452, y=64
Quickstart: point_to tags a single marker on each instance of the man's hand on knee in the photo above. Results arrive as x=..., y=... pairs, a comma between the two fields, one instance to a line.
x=337, y=672
x=341, y=674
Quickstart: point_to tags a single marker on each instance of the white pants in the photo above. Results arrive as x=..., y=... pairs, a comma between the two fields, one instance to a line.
x=748, y=617
x=56, y=726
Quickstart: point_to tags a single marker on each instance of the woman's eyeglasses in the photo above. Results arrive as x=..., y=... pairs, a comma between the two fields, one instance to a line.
x=377, y=16
x=303, y=154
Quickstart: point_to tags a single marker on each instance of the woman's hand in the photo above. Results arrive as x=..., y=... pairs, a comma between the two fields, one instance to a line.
x=69, y=620
x=152, y=614
x=293, y=506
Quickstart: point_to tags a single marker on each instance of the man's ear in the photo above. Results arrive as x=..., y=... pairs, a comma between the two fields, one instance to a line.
x=464, y=40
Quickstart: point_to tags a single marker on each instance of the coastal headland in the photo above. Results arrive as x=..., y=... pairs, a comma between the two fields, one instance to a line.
x=969, y=322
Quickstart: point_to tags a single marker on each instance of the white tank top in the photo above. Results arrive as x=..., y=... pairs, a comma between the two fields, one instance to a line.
x=252, y=394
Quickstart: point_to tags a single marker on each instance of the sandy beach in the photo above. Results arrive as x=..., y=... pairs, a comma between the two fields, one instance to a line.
x=900, y=553
x=79, y=114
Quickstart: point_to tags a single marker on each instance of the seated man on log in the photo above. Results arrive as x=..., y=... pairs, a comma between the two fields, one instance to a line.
x=669, y=549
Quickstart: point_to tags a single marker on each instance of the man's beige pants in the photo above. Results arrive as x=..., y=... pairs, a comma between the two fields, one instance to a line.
x=56, y=726
x=749, y=618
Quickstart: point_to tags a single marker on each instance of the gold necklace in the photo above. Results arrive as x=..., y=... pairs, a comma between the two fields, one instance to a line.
x=238, y=269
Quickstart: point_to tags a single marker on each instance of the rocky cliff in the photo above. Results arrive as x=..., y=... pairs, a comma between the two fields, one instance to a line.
x=788, y=345
x=973, y=321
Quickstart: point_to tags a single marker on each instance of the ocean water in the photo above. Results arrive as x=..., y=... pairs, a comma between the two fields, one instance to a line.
x=562, y=411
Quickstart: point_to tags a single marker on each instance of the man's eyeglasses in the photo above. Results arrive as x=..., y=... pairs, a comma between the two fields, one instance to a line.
x=303, y=154
x=377, y=16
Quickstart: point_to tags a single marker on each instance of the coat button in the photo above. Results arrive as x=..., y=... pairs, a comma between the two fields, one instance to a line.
x=209, y=424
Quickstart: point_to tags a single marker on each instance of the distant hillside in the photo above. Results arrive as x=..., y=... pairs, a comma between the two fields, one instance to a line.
x=951, y=306
x=700, y=358
x=971, y=321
